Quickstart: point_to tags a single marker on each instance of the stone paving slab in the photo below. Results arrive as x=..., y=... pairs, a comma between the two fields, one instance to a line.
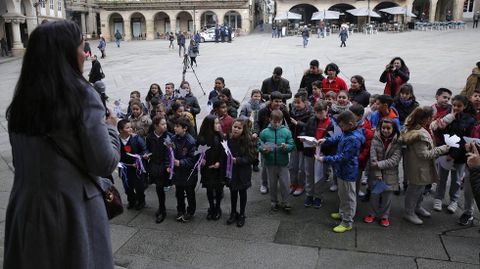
x=120, y=234
x=211, y=252
x=332, y=259
x=461, y=249
x=469, y=232
x=436, y=264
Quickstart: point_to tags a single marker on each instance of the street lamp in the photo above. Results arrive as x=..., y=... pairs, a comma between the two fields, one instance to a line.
x=40, y=3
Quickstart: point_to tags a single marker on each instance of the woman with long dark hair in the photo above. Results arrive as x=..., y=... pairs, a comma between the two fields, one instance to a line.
x=395, y=75
x=61, y=142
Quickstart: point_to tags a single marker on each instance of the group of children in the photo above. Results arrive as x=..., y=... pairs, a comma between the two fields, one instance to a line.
x=298, y=145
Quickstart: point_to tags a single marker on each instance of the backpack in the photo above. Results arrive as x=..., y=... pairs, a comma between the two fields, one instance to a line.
x=195, y=49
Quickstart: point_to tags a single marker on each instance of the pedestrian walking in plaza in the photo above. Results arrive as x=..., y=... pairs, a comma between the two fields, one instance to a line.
x=343, y=37
x=419, y=161
x=345, y=164
x=275, y=144
x=395, y=75
x=244, y=154
x=385, y=155
x=305, y=36
x=213, y=166
x=87, y=50
x=102, y=45
x=276, y=83
x=118, y=38
x=181, y=44
x=476, y=17
x=321, y=29
x=314, y=73
x=56, y=215
x=197, y=39
x=193, y=52
x=96, y=73
x=171, y=38
x=4, y=47
x=274, y=30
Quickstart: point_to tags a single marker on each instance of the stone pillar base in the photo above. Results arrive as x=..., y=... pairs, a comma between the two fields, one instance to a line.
x=17, y=52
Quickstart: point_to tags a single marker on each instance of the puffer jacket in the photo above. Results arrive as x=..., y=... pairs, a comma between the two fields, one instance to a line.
x=277, y=157
x=420, y=155
x=387, y=160
x=140, y=125
x=473, y=82
x=345, y=162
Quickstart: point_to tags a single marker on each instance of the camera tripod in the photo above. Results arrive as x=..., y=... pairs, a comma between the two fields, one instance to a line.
x=187, y=65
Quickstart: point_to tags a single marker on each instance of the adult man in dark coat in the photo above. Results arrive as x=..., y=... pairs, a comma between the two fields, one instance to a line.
x=96, y=73
x=276, y=83
x=313, y=74
x=181, y=44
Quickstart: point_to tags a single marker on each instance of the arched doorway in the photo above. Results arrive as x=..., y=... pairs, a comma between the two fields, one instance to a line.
x=184, y=22
x=233, y=19
x=208, y=19
x=116, y=23
x=138, y=26
x=26, y=27
x=344, y=16
x=161, y=24
x=442, y=7
x=421, y=8
x=306, y=11
x=385, y=16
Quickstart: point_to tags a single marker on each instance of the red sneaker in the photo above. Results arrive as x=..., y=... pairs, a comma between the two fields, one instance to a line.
x=369, y=219
x=385, y=222
x=293, y=187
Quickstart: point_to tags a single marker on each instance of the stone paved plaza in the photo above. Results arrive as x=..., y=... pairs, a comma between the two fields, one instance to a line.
x=303, y=238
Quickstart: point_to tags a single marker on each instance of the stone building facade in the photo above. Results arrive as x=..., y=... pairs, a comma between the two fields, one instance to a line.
x=18, y=18
x=86, y=14
x=152, y=19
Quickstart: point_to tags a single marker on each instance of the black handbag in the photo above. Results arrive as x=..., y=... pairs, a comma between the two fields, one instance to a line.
x=110, y=194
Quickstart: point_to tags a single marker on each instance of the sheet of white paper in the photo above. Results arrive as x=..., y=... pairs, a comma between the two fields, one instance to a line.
x=444, y=163
x=452, y=141
x=201, y=149
x=318, y=174
x=308, y=141
x=337, y=131
x=469, y=140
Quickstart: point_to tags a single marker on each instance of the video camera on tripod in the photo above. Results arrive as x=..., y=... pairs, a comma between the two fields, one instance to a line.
x=186, y=65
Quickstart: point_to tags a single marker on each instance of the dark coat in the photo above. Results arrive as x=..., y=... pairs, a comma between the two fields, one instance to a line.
x=404, y=111
x=242, y=169
x=475, y=182
x=361, y=97
x=264, y=118
x=461, y=126
x=96, y=72
x=184, y=151
x=269, y=86
x=301, y=117
x=56, y=216
x=213, y=177
x=394, y=80
x=159, y=158
x=307, y=80
x=192, y=104
x=135, y=145
x=310, y=129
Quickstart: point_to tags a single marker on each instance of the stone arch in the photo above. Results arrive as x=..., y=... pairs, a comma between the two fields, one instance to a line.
x=306, y=10
x=385, y=16
x=208, y=19
x=184, y=21
x=421, y=8
x=233, y=19
x=442, y=7
x=161, y=24
x=138, y=26
x=342, y=8
x=116, y=22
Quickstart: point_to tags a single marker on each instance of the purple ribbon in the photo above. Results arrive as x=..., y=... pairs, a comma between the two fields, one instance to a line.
x=139, y=165
x=122, y=170
x=317, y=151
x=171, y=164
x=197, y=165
x=229, y=165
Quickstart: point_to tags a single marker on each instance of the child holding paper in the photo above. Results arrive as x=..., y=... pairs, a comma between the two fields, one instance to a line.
x=275, y=143
x=244, y=154
x=460, y=123
x=131, y=174
x=212, y=166
x=419, y=160
x=317, y=127
x=345, y=164
x=385, y=155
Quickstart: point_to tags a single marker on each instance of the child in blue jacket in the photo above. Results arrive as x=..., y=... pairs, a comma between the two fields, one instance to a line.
x=345, y=165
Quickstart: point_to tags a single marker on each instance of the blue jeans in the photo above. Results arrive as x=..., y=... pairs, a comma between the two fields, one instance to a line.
x=305, y=41
x=455, y=182
x=117, y=41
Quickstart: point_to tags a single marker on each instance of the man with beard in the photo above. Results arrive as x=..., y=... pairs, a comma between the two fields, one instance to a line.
x=276, y=83
x=313, y=74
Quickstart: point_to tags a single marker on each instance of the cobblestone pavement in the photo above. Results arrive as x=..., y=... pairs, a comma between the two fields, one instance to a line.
x=302, y=238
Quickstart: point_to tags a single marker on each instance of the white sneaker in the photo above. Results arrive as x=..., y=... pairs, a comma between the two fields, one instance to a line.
x=333, y=188
x=364, y=180
x=263, y=190
x=413, y=219
x=361, y=194
x=423, y=212
x=452, y=207
x=437, y=205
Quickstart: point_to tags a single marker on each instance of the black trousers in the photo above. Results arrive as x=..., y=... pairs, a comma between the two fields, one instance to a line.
x=475, y=24
x=215, y=196
x=189, y=192
x=343, y=44
x=136, y=190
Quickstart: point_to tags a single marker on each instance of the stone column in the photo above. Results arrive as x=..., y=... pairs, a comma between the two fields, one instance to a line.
x=150, y=29
x=433, y=10
x=457, y=10
x=17, y=45
x=82, y=19
x=127, y=27
x=91, y=18
x=173, y=24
